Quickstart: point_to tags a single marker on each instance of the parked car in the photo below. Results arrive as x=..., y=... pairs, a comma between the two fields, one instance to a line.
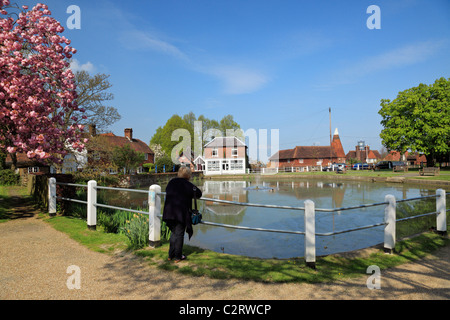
x=360, y=166
x=388, y=164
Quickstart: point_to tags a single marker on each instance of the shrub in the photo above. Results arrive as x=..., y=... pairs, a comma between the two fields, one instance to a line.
x=8, y=178
x=167, y=162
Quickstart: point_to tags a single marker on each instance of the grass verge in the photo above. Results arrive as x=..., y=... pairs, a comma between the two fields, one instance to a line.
x=215, y=265
x=95, y=240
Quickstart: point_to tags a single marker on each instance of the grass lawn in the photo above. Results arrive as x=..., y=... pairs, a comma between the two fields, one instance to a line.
x=411, y=174
x=202, y=262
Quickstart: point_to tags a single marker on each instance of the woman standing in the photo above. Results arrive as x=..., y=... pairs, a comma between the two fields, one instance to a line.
x=176, y=215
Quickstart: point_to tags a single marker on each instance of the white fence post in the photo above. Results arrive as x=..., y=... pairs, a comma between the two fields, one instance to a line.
x=441, y=217
x=52, y=196
x=91, y=205
x=389, y=218
x=310, y=234
x=154, y=221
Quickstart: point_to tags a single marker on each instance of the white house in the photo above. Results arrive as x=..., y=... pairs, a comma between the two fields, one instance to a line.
x=225, y=155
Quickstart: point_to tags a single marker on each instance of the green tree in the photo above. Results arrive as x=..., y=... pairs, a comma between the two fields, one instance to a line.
x=165, y=162
x=419, y=120
x=163, y=136
x=127, y=158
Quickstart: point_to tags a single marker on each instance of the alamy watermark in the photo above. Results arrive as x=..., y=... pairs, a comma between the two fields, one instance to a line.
x=74, y=20
x=374, y=21
x=374, y=281
x=255, y=140
x=74, y=280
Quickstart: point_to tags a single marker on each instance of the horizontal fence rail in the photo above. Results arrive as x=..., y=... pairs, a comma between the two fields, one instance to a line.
x=154, y=211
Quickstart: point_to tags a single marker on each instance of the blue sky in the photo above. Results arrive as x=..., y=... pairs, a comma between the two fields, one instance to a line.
x=271, y=64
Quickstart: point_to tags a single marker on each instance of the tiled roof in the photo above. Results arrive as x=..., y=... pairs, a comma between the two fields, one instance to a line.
x=305, y=152
x=135, y=144
x=225, y=142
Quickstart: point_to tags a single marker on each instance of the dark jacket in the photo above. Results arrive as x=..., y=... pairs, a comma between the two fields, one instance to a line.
x=179, y=195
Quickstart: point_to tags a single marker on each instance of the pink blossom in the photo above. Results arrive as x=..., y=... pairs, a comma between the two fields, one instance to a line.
x=33, y=104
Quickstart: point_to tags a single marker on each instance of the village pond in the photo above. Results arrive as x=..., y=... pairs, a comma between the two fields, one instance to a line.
x=325, y=194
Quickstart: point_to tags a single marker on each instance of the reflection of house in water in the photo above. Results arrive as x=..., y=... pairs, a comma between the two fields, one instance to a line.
x=225, y=190
x=311, y=190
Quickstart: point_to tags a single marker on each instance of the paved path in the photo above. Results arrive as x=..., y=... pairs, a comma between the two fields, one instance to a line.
x=34, y=259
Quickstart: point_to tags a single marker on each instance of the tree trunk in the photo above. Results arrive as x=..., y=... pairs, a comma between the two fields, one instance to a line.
x=430, y=160
x=14, y=161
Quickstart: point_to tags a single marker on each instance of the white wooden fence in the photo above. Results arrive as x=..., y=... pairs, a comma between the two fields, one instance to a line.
x=154, y=212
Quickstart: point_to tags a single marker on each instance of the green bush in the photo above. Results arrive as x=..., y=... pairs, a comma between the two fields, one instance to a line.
x=8, y=178
x=167, y=162
x=149, y=167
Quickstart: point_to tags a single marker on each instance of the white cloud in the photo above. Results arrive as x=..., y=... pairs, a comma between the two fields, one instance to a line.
x=135, y=39
x=76, y=66
x=407, y=55
x=239, y=80
x=401, y=57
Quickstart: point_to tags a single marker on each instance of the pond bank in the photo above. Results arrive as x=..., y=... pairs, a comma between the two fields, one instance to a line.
x=335, y=177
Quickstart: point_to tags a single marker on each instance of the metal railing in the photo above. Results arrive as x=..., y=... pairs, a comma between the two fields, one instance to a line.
x=154, y=212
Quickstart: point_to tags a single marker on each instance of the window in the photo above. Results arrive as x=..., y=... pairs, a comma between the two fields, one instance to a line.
x=146, y=156
x=215, y=152
x=300, y=160
x=234, y=152
x=213, y=165
x=33, y=169
x=236, y=165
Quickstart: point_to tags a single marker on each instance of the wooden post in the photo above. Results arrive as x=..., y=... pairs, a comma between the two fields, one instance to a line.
x=441, y=217
x=51, y=196
x=310, y=234
x=389, y=229
x=154, y=221
x=91, y=205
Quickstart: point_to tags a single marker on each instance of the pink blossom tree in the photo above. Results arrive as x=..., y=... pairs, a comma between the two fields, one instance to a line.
x=36, y=85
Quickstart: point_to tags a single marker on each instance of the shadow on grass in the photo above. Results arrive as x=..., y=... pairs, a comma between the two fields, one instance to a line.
x=215, y=265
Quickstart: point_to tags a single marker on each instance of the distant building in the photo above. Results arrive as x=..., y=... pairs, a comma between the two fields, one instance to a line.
x=110, y=141
x=223, y=155
x=310, y=157
x=363, y=154
x=411, y=158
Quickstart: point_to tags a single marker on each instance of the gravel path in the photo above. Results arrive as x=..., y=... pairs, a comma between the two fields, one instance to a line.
x=34, y=259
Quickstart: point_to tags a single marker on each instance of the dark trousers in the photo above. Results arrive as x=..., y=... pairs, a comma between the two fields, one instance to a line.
x=176, y=240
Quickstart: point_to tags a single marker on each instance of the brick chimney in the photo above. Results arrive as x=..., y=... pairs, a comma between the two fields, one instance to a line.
x=129, y=134
x=92, y=130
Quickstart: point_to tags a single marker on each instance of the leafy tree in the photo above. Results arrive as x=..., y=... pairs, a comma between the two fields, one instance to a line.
x=127, y=158
x=166, y=162
x=419, y=120
x=163, y=136
x=228, y=123
x=92, y=94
